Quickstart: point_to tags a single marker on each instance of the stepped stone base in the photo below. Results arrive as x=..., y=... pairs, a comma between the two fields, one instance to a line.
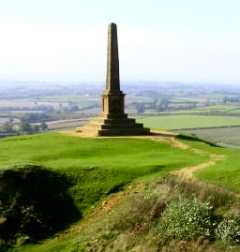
x=113, y=126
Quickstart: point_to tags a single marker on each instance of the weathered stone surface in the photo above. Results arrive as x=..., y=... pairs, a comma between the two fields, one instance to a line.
x=113, y=82
x=113, y=120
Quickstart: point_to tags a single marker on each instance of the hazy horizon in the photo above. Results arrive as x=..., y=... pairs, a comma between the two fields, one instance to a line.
x=173, y=41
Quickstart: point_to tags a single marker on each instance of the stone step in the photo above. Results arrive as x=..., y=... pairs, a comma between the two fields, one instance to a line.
x=125, y=123
x=110, y=126
x=122, y=126
x=119, y=121
x=116, y=116
x=124, y=132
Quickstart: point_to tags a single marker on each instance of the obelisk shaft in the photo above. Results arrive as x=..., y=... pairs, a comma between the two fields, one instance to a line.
x=113, y=82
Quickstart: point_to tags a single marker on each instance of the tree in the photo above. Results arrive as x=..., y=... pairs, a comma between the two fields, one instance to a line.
x=44, y=126
x=140, y=108
x=8, y=127
x=25, y=127
x=162, y=105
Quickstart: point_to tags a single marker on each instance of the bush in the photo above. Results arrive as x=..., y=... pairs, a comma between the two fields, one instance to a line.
x=34, y=203
x=229, y=230
x=186, y=219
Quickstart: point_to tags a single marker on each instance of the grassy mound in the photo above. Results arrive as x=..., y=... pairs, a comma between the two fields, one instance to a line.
x=94, y=168
x=97, y=167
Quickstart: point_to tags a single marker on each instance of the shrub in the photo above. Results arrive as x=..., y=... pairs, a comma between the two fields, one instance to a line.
x=229, y=230
x=34, y=202
x=186, y=219
x=137, y=213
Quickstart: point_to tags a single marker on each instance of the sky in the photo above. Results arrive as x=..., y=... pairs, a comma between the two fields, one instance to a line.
x=159, y=40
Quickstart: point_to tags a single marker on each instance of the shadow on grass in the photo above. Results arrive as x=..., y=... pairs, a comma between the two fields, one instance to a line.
x=34, y=203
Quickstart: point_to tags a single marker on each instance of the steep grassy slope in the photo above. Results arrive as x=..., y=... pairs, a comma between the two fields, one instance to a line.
x=163, y=214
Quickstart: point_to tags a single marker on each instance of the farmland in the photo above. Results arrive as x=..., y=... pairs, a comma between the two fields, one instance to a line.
x=172, y=106
x=188, y=121
x=226, y=136
x=222, y=130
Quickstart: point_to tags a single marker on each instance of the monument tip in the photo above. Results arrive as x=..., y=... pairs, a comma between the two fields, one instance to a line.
x=112, y=24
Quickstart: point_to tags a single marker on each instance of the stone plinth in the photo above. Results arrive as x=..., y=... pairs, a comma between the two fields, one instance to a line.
x=109, y=126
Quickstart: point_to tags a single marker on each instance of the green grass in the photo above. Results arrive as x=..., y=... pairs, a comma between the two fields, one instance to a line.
x=101, y=166
x=225, y=173
x=218, y=107
x=97, y=166
x=222, y=109
x=187, y=121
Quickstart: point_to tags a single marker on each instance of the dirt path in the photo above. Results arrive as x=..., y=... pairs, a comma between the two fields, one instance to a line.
x=188, y=172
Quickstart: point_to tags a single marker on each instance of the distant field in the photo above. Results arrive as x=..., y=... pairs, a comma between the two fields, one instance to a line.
x=223, y=136
x=188, y=121
x=25, y=104
x=213, y=110
x=221, y=108
x=81, y=100
x=66, y=124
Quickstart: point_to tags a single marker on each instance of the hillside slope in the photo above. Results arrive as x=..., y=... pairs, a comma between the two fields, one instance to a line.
x=126, y=180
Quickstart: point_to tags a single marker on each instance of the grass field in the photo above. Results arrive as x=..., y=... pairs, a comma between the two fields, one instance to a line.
x=227, y=109
x=82, y=101
x=187, y=121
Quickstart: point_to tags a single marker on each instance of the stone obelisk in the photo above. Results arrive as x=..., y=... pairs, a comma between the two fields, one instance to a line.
x=116, y=122
x=113, y=121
